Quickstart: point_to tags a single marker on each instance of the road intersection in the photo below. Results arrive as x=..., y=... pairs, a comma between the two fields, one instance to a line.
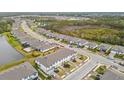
x=85, y=69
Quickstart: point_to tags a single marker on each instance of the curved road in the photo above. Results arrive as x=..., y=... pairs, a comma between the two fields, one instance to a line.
x=82, y=71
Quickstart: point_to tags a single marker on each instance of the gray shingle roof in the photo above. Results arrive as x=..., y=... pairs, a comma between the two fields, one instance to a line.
x=91, y=44
x=60, y=36
x=118, y=49
x=51, y=59
x=18, y=72
x=104, y=46
x=24, y=38
x=112, y=75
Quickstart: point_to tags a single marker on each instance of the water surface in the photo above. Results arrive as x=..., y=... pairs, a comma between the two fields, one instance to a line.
x=7, y=52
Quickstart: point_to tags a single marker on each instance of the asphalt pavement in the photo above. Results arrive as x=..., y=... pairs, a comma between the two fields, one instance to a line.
x=80, y=73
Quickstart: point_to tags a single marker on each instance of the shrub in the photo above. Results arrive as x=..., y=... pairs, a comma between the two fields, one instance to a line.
x=66, y=65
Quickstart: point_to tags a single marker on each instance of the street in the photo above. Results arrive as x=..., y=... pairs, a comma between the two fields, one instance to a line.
x=80, y=73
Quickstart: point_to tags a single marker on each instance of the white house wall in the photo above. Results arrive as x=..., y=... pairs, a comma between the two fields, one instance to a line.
x=58, y=63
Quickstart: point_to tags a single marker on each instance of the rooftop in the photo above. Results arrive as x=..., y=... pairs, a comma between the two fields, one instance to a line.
x=104, y=46
x=24, y=38
x=118, y=48
x=18, y=72
x=51, y=59
x=91, y=44
x=112, y=75
x=61, y=36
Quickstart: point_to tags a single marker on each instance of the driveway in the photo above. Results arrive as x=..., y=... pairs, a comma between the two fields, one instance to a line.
x=84, y=69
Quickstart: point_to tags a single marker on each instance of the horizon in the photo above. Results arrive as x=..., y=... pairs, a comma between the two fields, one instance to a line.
x=76, y=14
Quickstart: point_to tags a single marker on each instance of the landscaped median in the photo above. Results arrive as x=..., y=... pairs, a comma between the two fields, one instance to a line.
x=119, y=56
x=97, y=72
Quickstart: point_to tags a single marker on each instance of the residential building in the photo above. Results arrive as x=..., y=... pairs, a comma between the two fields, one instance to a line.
x=104, y=47
x=24, y=71
x=28, y=41
x=112, y=75
x=51, y=61
x=117, y=50
x=82, y=42
x=91, y=45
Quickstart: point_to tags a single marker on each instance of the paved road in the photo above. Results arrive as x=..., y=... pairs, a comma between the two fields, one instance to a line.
x=88, y=66
x=84, y=69
x=30, y=32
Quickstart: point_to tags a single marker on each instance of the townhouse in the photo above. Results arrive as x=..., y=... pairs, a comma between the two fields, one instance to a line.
x=24, y=71
x=104, y=47
x=117, y=50
x=91, y=45
x=51, y=61
x=28, y=41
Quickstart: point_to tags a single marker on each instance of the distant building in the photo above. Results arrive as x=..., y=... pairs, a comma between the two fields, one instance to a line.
x=28, y=41
x=91, y=45
x=43, y=46
x=68, y=39
x=104, y=47
x=51, y=61
x=24, y=71
x=82, y=42
x=112, y=75
x=117, y=50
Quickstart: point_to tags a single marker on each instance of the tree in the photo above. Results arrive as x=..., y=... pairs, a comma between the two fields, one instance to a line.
x=35, y=54
x=66, y=65
x=49, y=77
x=56, y=70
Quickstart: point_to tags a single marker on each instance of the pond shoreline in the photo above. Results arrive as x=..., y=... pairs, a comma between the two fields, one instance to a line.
x=7, y=52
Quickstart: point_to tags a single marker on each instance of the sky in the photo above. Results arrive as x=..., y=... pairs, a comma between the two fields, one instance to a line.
x=61, y=5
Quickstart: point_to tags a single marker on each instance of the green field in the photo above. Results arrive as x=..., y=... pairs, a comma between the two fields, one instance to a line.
x=5, y=25
x=101, y=29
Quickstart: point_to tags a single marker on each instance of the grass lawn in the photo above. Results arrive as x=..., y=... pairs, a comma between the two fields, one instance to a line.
x=14, y=43
x=72, y=66
x=11, y=64
x=82, y=58
x=21, y=29
x=94, y=77
x=93, y=50
x=119, y=56
x=11, y=40
x=61, y=72
x=77, y=62
x=69, y=68
x=41, y=74
x=101, y=70
x=29, y=57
